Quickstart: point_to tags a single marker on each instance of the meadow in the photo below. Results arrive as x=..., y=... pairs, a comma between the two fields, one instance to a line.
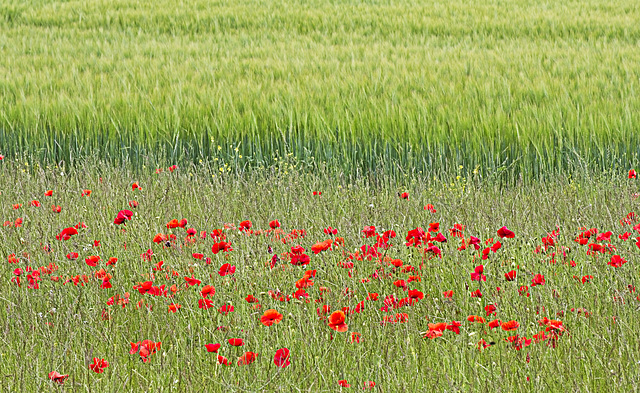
x=519, y=289
x=513, y=90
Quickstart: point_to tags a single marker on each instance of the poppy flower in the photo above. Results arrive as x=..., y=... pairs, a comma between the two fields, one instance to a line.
x=145, y=348
x=336, y=321
x=494, y=324
x=221, y=246
x=416, y=294
x=274, y=224
x=136, y=186
x=271, y=317
x=247, y=358
x=369, y=385
x=173, y=224
x=490, y=309
x=404, y=195
x=430, y=208
x=236, y=342
x=56, y=209
x=616, y=261
x=222, y=360
x=343, y=383
x=57, y=377
x=226, y=309
x=92, y=260
x=475, y=318
x=477, y=274
x=369, y=231
x=98, y=365
x=504, y=232
x=192, y=281
x=205, y=303
x=251, y=299
x=197, y=255
x=133, y=204
x=538, y=279
x=510, y=276
x=632, y=174
x=281, y=358
x=72, y=256
x=208, y=290
x=226, y=269
x=447, y=294
x=511, y=325
x=245, y=225
x=35, y=203
x=174, y=307
x=212, y=347
x=330, y=231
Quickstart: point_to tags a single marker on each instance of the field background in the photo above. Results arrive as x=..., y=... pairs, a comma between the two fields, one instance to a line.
x=515, y=90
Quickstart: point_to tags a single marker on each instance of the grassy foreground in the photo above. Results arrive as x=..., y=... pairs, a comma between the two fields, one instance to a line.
x=526, y=89
x=57, y=324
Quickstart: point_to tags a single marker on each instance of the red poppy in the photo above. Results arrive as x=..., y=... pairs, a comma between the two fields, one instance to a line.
x=197, y=255
x=271, y=317
x=369, y=231
x=57, y=377
x=174, y=307
x=416, y=294
x=632, y=174
x=494, y=324
x=85, y=193
x=145, y=348
x=221, y=246
x=133, y=204
x=35, y=203
x=281, y=358
x=369, y=385
x=226, y=309
x=212, y=347
x=510, y=276
x=56, y=209
x=173, y=224
x=98, y=365
x=247, y=358
x=330, y=231
x=222, y=360
x=227, y=269
x=92, y=260
x=404, y=195
x=192, y=281
x=538, y=279
x=72, y=256
x=251, y=299
x=504, y=232
x=336, y=321
x=67, y=233
x=447, y=294
x=490, y=309
x=477, y=274
x=475, y=318
x=208, y=290
x=236, y=342
x=274, y=224
x=343, y=383
x=205, y=303
x=616, y=261
x=245, y=225
x=430, y=208
x=136, y=186
x=511, y=325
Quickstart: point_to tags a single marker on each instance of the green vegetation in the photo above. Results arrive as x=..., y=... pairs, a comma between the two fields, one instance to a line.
x=519, y=89
x=62, y=327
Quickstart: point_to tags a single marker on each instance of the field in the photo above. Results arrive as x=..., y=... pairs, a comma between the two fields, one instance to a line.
x=319, y=196
x=513, y=90
x=564, y=317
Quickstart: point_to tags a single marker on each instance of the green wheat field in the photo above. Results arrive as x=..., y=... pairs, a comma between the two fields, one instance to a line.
x=319, y=196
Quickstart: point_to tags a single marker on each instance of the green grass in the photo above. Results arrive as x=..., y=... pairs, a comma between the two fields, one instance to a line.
x=594, y=355
x=526, y=90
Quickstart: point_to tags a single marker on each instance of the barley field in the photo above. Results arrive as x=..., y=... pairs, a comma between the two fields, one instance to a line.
x=517, y=90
